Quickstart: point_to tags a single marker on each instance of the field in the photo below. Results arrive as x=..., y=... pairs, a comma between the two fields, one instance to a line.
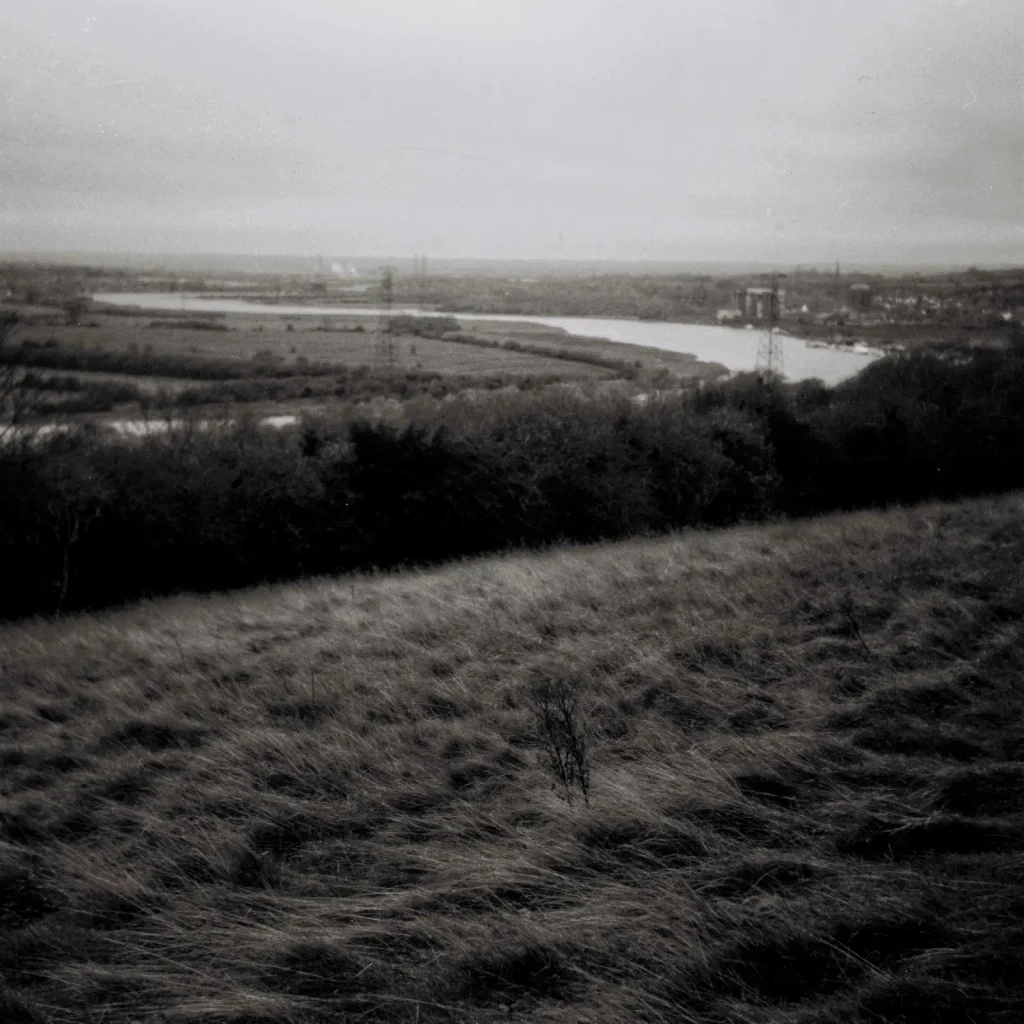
x=117, y=362
x=353, y=341
x=333, y=801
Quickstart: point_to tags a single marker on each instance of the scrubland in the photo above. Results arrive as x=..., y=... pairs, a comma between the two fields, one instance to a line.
x=329, y=801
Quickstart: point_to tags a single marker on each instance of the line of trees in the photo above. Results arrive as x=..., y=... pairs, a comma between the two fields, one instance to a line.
x=86, y=522
x=52, y=355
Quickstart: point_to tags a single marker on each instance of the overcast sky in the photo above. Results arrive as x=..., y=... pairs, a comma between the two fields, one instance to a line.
x=793, y=130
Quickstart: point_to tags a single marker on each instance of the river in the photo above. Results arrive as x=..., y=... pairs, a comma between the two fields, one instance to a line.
x=734, y=348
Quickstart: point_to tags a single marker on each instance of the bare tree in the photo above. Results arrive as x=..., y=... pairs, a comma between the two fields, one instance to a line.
x=15, y=399
x=70, y=495
x=74, y=498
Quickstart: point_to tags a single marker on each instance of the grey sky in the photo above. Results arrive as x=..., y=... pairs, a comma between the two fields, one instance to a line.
x=881, y=130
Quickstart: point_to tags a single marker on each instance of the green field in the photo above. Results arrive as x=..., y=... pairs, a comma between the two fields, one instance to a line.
x=355, y=341
x=333, y=802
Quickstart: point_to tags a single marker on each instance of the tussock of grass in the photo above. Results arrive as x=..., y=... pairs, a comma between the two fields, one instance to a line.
x=330, y=801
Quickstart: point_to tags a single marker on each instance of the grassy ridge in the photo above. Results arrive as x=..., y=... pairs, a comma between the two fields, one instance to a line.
x=328, y=801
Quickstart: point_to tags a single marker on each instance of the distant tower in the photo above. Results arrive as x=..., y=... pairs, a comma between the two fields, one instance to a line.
x=770, y=365
x=385, y=347
x=319, y=281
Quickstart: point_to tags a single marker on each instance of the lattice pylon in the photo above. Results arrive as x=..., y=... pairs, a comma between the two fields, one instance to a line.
x=770, y=363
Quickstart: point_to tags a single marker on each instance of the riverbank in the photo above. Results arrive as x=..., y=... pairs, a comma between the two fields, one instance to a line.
x=540, y=346
x=878, y=335
x=902, y=337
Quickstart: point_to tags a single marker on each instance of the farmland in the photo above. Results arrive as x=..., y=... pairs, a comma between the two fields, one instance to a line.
x=153, y=352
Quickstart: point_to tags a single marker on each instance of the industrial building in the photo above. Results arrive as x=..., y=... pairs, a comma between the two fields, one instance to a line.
x=861, y=296
x=757, y=302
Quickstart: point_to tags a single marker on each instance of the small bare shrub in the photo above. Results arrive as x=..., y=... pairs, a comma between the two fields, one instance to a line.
x=849, y=612
x=562, y=731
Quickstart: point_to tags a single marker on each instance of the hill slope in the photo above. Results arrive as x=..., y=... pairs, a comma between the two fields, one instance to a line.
x=331, y=802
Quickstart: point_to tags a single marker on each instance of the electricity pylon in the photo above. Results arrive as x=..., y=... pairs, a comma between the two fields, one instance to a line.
x=770, y=365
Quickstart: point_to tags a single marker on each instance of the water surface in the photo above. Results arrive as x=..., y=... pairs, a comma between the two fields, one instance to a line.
x=734, y=348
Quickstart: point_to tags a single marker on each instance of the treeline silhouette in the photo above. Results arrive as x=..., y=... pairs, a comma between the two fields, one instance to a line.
x=57, y=395
x=230, y=382
x=971, y=299
x=86, y=522
x=51, y=355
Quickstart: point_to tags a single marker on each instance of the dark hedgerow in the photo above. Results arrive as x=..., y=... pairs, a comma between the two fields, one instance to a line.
x=86, y=522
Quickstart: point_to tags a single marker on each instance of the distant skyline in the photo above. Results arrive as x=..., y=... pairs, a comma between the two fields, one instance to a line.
x=407, y=265
x=788, y=132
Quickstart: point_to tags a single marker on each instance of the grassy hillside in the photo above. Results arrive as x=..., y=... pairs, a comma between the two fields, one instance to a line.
x=331, y=802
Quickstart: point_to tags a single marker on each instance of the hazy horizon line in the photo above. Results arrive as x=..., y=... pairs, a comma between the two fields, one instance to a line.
x=312, y=259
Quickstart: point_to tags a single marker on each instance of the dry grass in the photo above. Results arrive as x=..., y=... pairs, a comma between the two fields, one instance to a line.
x=329, y=801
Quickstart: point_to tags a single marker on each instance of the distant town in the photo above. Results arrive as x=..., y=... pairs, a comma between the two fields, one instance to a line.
x=971, y=299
